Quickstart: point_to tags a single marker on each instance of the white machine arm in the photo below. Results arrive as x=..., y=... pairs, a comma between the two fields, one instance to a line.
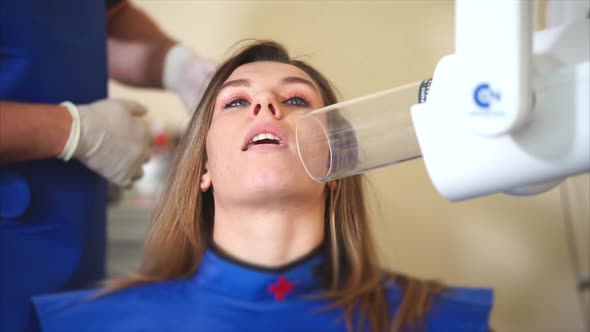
x=507, y=112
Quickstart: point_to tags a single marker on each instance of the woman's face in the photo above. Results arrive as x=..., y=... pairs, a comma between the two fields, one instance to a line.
x=251, y=148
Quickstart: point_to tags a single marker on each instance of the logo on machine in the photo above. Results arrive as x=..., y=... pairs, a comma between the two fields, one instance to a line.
x=484, y=97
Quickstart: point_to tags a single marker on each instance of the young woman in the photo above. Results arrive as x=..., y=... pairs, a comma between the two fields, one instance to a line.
x=244, y=240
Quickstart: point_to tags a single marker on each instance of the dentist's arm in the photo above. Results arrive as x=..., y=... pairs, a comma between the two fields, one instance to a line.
x=141, y=54
x=32, y=131
x=109, y=136
x=136, y=47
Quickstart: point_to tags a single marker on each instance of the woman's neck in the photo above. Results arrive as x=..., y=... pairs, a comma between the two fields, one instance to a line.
x=269, y=237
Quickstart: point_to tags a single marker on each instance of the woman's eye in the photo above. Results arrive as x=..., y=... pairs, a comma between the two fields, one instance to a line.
x=296, y=101
x=236, y=103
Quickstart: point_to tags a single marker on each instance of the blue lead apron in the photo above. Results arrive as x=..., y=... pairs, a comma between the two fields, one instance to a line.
x=52, y=213
x=225, y=295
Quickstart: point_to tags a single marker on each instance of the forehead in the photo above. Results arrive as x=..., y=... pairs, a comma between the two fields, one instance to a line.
x=267, y=70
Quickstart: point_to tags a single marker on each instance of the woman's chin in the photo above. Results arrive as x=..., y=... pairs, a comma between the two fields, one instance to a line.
x=279, y=184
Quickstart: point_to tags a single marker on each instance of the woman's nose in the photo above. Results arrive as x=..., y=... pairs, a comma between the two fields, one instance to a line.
x=266, y=104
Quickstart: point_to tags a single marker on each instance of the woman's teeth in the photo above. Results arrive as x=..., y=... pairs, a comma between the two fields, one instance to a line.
x=265, y=138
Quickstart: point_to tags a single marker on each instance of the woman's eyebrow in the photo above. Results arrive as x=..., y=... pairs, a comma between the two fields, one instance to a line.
x=296, y=79
x=286, y=80
x=238, y=82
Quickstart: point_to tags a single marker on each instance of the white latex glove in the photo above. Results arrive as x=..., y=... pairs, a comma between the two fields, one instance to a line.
x=110, y=137
x=187, y=74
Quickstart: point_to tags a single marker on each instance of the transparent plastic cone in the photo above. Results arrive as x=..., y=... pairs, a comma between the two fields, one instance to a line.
x=359, y=135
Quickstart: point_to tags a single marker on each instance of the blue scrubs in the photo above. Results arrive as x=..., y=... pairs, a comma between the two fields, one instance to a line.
x=52, y=213
x=228, y=296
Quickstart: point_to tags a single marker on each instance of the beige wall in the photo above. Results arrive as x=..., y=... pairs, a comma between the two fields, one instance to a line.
x=515, y=245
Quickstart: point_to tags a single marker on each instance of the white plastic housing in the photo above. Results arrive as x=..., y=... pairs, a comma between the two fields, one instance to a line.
x=493, y=43
x=553, y=143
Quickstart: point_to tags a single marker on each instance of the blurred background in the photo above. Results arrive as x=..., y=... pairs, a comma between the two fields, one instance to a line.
x=532, y=251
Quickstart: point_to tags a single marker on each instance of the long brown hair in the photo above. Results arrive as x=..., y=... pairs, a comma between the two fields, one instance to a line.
x=182, y=225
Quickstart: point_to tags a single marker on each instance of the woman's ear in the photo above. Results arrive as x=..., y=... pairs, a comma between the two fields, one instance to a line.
x=205, y=180
x=332, y=184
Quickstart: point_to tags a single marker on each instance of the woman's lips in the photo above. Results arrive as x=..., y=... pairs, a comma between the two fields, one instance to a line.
x=265, y=137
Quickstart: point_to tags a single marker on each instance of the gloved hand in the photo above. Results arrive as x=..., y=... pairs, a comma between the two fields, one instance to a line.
x=187, y=74
x=110, y=137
